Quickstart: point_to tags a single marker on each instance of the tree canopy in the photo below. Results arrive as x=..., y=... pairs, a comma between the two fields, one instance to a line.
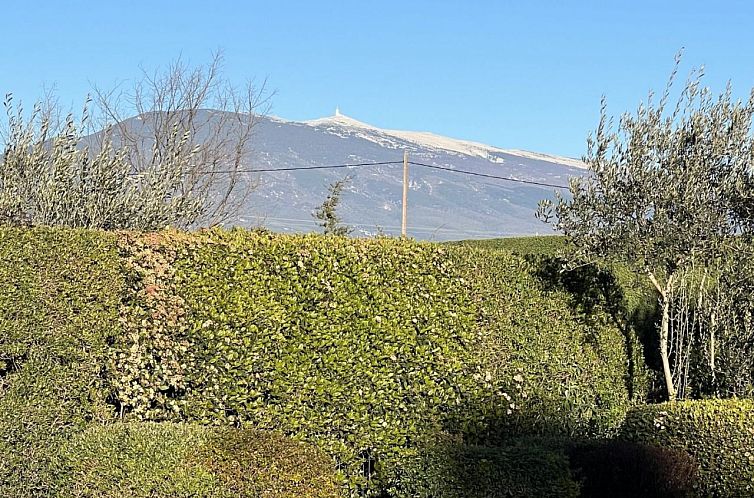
x=669, y=190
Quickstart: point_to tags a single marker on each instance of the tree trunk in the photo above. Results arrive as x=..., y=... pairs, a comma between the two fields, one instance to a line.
x=665, y=332
x=713, y=323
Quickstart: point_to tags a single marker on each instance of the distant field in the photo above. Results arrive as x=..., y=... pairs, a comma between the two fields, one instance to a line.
x=544, y=245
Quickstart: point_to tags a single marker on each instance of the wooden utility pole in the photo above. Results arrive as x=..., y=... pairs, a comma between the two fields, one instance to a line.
x=405, y=192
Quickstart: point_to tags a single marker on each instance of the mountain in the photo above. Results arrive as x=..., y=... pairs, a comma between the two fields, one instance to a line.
x=442, y=205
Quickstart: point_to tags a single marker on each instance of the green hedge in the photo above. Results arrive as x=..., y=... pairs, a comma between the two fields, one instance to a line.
x=622, y=291
x=361, y=346
x=59, y=295
x=718, y=433
x=520, y=468
x=153, y=460
x=543, y=245
x=567, y=366
x=357, y=345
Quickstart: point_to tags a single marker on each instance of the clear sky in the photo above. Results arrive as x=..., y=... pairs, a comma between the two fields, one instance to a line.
x=516, y=74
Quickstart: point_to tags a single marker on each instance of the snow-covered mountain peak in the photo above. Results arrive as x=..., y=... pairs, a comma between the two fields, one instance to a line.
x=342, y=120
x=339, y=123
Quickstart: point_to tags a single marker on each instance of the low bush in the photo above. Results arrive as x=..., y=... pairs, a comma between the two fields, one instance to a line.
x=522, y=468
x=719, y=434
x=179, y=460
x=629, y=470
x=268, y=465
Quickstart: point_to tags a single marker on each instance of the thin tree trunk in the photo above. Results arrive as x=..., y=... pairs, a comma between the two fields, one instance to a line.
x=665, y=332
x=713, y=323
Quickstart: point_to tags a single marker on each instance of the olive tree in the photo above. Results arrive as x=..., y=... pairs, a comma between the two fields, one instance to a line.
x=668, y=191
x=170, y=150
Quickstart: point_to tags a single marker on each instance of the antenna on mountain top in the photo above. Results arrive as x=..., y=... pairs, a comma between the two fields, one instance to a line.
x=337, y=111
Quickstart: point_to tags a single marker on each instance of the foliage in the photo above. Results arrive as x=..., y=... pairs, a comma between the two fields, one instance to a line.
x=59, y=294
x=356, y=345
x=327, y=213
x=447, y=468
x=668, y=189
x=719, y=434
x=269, y=465
x=364, y=348
x=543, y=245
x=173, y=165
x=724, y=362
x=570, y=368
x=181, y=460
x=622, y=469
x=628, y=296
x=360, y=346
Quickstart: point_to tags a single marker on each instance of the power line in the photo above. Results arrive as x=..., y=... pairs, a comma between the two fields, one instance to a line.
x=301, y=168
x=385, y=163
x=473, y=173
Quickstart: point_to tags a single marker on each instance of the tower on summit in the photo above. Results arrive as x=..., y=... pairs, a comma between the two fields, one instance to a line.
x=337, y=111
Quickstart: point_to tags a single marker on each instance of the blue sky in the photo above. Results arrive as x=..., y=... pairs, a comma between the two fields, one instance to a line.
x=524, y=74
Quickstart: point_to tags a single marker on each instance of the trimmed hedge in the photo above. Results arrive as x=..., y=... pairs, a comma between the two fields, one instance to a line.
x=543, y=245
x=360, y=346
x=364, y=348
x=521, y=468
x=622, y=469
x=150, y=460
x=719, y=434
x=567, y=367
x=622, y=291
x=59, y=296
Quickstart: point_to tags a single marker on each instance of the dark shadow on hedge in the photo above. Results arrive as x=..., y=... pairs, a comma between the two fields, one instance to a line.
x=543, y=467
x=447, y=468
x=590, y=288
x=627, y=470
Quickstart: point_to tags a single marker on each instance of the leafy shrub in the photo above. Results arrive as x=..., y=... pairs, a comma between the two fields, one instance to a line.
x=179, y=460
x=59, y=295
x=525, y=468
x=719, y=434
x=357, y=345
x=629, y=470
x=360, y=346
x=567, y=366
x=269, y=465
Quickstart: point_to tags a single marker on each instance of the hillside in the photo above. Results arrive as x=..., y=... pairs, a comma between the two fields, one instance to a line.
x=443, y=205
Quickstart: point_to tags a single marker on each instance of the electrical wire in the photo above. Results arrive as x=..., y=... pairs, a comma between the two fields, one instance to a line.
x=385, y=163
x=300, y=168
x=473, y=173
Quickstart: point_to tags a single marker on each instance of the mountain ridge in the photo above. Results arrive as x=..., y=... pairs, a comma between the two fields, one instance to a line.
x=443, y=204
